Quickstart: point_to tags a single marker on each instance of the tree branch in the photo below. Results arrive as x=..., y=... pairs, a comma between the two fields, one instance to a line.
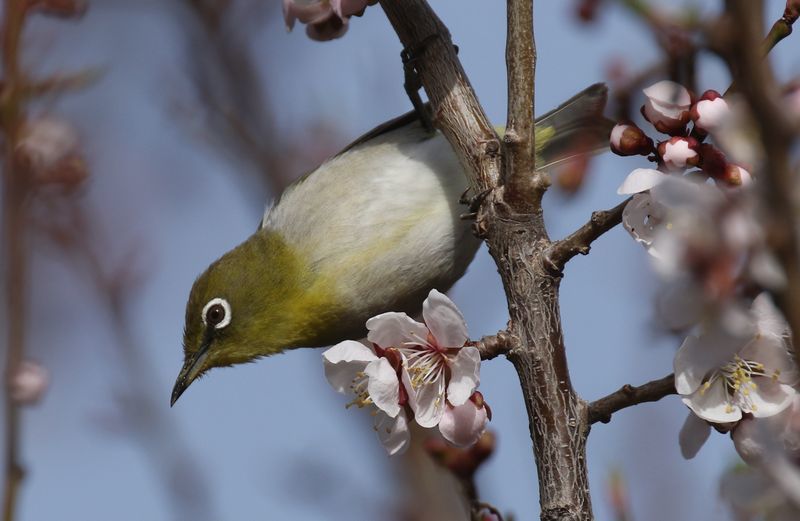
x=493, y=346
x=627, y=396
x=754, y=78
x=16, y=186
x=580, y=241
x=524, y=186
x=517, y=241
x=456, y=110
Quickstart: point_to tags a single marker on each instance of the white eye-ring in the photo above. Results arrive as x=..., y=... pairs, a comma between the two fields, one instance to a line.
x=217, y=313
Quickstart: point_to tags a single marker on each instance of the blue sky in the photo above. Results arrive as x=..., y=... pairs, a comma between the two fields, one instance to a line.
x=271, y=439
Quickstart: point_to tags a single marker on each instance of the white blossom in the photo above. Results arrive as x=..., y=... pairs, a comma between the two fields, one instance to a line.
x=739, y=365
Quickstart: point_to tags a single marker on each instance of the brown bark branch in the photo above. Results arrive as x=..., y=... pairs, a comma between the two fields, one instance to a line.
x=628, y=396
x=15, y=192
x=524, y=186
x=580, y=241
x=518, y=242
x=753, y=77
x=493, y=346
x=456, y=111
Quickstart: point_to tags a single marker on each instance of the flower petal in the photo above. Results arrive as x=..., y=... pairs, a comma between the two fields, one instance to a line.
x=444, y=320
x=769, y=320
x=383, y=386
x=395, y=330
x=343, y=361
x=427, y=400
x=769, y=399
x=393, y=432
x=693, y=435
x=699, y=355
x=463, y=425
x=712, y=404
x=639, y=180
x=465, y=375
x=669, y=94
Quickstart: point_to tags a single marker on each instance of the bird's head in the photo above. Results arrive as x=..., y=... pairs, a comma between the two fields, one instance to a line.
x=248, y=304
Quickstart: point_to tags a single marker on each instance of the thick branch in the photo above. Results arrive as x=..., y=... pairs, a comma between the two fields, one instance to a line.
x=517, y=241
x=627, y=396
x=755, y=80
x=581, y=239
x=524, y=186
x=456, y=110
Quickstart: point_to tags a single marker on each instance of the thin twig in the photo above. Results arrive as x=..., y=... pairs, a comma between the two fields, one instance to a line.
x=495, y=345
x=782, y=26
x=580, y=241
x=524, y=186
x=628, y=395
x=15, y=192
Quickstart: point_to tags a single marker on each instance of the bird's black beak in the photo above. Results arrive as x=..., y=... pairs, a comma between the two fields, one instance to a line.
x=192, y=367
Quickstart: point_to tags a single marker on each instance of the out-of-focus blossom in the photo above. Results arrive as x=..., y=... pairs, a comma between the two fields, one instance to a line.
x=642, y=218
x=710, y=111
x=28, y=383
x=739, y=365
x=324, y=19
x=679, y=153
x=752, y=495
x=754, y=438
x=49, y=148
x=641, y=180
x=667, y=107
x=736, y=176
x=629, y=140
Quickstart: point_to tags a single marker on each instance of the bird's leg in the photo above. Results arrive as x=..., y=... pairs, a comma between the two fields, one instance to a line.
x=473, y=202
x=412, y=83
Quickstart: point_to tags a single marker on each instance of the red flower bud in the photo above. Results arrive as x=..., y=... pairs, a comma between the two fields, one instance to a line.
x=629, y=140
x=679, y=153
x=712, y=161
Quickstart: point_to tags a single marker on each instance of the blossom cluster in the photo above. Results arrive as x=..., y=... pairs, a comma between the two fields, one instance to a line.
x=411, y=371
x=696, y=215
x=324, y=19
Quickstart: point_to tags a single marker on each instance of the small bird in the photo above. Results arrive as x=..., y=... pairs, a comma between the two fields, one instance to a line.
x=371, y=230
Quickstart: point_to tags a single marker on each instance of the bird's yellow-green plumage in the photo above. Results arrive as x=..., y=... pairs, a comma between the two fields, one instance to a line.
x=371, y=230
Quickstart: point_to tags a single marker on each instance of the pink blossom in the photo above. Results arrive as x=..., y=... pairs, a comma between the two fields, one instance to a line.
x=679, y=153
x=667, y=107
x=324, y=19
x=28, y=383
x=710, y=111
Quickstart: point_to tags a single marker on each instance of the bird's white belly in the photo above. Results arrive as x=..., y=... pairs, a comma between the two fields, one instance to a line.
x=382, y=220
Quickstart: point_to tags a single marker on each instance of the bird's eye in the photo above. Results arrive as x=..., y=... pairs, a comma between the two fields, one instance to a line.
x=217, y=313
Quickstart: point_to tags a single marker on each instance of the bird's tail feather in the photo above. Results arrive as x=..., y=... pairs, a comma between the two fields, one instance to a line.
x=575, y=127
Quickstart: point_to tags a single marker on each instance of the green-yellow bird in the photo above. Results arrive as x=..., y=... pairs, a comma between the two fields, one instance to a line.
x=371, y=230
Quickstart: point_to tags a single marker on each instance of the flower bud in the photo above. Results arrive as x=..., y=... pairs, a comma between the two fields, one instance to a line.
x=712, y=161
x=791, y=97
x=28, y=383
x=735, y=175
x=629, y=140
x=667, y=107
x=709, y=112
x=679, y=153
